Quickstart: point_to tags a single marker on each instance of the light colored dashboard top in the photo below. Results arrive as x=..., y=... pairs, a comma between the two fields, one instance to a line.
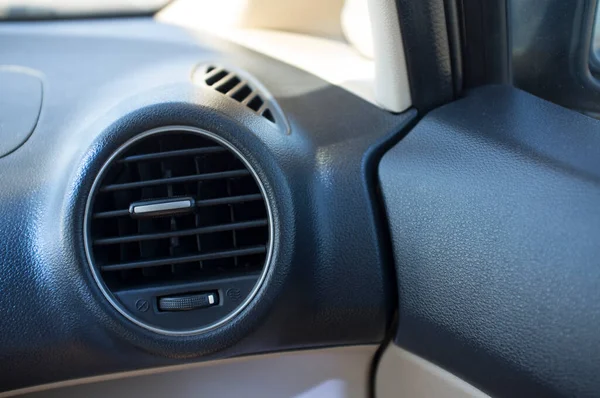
x=333, y=373
x=319, y=37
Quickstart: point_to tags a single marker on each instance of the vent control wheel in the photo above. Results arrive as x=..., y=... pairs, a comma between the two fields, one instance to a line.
x=178, y=231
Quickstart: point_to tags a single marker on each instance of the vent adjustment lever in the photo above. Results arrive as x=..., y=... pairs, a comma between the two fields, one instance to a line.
x=188, y=302
x=162, y=207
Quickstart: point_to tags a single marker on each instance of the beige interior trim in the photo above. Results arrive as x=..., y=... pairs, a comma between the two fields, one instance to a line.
x=392, y=88
x=311, y=17
x=323, y=37
x=333, y=61
x=356, y=25
x=341, y=372
x=401, y=374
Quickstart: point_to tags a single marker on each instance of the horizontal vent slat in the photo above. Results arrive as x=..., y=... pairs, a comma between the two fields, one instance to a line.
x=226, y=200
x=185, y=259
x=187, y=232
x=113, y=213
x=172, y=154
x=175, y=180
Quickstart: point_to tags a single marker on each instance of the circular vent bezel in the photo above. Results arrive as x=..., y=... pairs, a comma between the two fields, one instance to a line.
x=106, y=292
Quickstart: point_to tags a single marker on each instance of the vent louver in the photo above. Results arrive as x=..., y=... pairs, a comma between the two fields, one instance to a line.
x=234, y=86
x=176, y=206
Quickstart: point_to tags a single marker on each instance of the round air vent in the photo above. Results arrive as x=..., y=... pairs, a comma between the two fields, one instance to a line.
x=178, y=231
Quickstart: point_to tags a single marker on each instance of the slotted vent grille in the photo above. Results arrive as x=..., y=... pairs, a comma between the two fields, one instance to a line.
x=237, y=88
x=173, y=207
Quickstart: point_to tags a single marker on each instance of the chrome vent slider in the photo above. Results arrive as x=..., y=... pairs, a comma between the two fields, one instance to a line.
x=162, y=207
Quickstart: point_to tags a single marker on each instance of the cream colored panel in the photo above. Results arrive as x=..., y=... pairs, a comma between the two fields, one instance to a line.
x=401, y=374
x=333, y=61
x=311, y=17
x=357, y=28
x=392, y=89
x=333, y=373
x=372, y=27
x=308, y=35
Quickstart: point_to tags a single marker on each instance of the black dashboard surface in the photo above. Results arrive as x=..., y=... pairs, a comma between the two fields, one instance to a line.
x=494, y=210
x=105, y=81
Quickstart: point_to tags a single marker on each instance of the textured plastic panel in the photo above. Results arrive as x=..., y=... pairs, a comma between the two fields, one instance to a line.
x=108, y=81
x=432, y=60
x=20, y=105
x=494, y=209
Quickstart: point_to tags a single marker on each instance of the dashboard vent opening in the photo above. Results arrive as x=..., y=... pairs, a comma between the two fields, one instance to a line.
x=176, y=206
x=239, y=89
x=267, y=114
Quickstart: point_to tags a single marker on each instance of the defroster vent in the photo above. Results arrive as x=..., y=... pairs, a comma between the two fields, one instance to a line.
x=174, y=212
x=243, y=88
